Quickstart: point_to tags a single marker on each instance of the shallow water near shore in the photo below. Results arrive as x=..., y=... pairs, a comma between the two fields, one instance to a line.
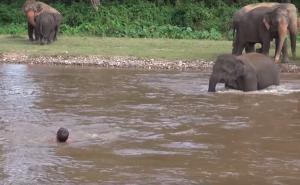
x=139, y=127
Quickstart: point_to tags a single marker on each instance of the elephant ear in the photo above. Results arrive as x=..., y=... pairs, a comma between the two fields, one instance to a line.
x=266, y=21
x=239, y=68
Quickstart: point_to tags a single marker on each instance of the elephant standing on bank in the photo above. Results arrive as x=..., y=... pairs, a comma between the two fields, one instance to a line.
x=237, y=18
x=261, y=23
x=32, y=9
x=45, y=27
x=248, y=72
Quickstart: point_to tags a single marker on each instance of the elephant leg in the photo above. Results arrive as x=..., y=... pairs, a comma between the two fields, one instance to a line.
x=250, y=48
x=293, y=30
x=240, y=48
x=43, y=41
x=51, y=36
x=55, y=33
x=293, y=38
x=234, y=46
x=57, y=20
x=265, y=47
x=213, y=80
x=30, y=31
x=250, y=83
x=36, y=35
x=236, y=43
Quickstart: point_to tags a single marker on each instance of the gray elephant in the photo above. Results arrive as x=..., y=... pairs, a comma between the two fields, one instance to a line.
x=237, y=18
x=261, y=23
x=246, y=9
x=248, y=72
x=32, y=9
x=46, y=27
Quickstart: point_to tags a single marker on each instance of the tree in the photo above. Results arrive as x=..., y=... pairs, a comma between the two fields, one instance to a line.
x=95, y=3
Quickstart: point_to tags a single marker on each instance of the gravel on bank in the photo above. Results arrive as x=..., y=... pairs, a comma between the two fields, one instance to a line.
x=122, y=62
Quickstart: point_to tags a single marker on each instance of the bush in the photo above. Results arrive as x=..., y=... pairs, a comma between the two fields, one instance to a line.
x=190, y=20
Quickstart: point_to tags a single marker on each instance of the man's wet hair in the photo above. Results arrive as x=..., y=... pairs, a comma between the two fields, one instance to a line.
x=62, y=135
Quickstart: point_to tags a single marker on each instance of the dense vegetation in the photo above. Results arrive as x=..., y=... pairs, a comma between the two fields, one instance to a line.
x=189, y=19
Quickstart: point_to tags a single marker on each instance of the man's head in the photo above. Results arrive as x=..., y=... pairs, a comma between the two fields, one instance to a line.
x=62, y=135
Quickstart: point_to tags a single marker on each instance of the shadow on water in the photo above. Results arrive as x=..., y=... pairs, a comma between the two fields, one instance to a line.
x=137, y=127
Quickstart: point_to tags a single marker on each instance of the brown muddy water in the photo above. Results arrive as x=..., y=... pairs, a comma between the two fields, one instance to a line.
x=138, y=127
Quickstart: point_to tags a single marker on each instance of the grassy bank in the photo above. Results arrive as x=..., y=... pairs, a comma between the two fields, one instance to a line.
x=145, y=48
x=169, y=49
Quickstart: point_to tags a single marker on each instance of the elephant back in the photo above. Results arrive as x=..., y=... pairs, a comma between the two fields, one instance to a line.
x=43, y=7
x=267, y=72
x=259, y=62
x=256, y=58
x=244, y=10
x=38, y=7
x=289, y=7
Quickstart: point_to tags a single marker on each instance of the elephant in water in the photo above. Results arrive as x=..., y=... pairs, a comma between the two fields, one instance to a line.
x=248, y=72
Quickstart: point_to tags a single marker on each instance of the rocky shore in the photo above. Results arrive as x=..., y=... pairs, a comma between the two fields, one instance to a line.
x=123, y=62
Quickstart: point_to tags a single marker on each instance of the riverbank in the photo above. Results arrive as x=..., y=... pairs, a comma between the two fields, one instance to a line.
x=109, y=62
x=143, y=54
x=123, y=62
x=166, y=49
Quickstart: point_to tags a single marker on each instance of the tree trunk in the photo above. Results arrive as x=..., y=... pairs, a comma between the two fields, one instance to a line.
x=95, y=4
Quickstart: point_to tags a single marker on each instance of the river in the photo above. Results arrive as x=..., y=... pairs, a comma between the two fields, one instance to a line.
x=141, y=127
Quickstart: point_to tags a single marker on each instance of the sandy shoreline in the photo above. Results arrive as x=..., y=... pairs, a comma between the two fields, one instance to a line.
x=122, y=62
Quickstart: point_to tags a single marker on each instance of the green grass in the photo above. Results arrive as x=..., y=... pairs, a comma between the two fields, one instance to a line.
x=145, y=48
x=169, y=49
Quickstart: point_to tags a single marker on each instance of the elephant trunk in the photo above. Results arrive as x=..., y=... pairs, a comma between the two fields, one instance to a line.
x=212, y=83
x=282, y=37
x=30, y=17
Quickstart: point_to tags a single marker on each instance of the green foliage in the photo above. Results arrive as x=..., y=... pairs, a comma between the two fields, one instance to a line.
x=13, y=29
x=137, y=19
x=11, y=14
x=298, y=38
x=145, y=19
